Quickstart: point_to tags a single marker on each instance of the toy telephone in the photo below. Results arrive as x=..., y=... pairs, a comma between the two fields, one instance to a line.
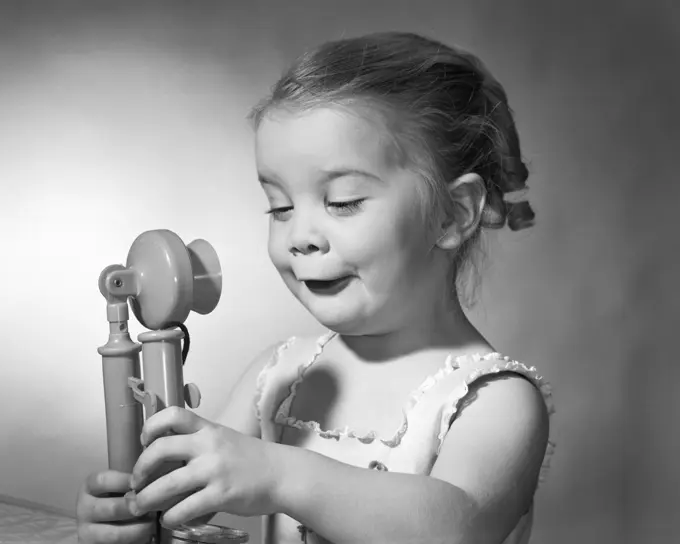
x=164, y=280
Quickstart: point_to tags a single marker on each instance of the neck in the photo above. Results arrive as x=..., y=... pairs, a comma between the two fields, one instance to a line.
x=444, y=327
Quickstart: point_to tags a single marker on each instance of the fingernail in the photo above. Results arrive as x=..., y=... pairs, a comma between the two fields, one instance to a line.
x=133, y=483
x=134, y=509
x=131, y=500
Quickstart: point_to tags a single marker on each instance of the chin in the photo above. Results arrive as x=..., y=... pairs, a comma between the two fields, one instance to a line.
x=344, y=329
x=343, y=321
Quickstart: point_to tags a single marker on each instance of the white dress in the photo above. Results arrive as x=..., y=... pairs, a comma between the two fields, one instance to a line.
x=427, y=415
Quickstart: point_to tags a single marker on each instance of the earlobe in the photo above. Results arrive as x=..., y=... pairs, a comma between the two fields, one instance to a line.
x=450, y=240
x=469, y=198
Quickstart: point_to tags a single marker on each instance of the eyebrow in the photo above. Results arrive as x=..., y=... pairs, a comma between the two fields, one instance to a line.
x=329, y=175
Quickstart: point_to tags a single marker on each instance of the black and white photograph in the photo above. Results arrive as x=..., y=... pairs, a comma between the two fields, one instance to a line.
x=323, y=272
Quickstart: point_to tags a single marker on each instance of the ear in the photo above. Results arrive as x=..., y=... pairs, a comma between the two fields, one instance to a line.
x=469, y=197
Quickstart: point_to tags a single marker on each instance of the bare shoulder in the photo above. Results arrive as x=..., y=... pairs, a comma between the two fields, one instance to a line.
x=495, y=447
x=506, y=411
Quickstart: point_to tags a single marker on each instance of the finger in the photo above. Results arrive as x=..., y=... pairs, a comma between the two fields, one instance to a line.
x=171, y=420
x=110, y=509
x=139, y=532
x=204, y=501
x=152, y=459
x=162, y=506
x=107, y=482
x=161, y=493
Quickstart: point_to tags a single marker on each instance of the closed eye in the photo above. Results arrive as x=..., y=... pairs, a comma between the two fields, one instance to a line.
x=347, y=207
x=350, y=206
x=277, y=213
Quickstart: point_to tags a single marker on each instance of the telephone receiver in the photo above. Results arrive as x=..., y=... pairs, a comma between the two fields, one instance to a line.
x=164, y=281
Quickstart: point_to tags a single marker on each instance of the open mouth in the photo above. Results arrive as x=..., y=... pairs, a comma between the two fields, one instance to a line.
x=327, y=287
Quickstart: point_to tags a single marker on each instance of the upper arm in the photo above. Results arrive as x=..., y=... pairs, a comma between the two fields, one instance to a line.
x=239, y=414
x=494, y=450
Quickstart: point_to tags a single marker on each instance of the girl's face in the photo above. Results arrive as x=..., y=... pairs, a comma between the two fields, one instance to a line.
x=346, y=232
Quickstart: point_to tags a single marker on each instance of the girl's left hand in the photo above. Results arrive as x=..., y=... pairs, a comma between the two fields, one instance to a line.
x=226, y=471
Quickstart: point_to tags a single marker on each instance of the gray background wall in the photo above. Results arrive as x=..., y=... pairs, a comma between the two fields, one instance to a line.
x=119, y=117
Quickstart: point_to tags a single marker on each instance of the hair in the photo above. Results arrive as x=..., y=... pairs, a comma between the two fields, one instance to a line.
x=441, y=103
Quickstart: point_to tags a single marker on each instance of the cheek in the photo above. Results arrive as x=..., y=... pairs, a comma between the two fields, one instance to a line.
x=395, y=229
x=382, y=245
x=275, y=249
x=393, y=245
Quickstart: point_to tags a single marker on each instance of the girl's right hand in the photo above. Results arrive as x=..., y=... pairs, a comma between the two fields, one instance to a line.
x=103, y=515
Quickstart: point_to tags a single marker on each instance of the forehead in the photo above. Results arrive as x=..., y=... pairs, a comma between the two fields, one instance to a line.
x=321, y=138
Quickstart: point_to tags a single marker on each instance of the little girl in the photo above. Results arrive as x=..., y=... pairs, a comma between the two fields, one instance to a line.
x=383, y=159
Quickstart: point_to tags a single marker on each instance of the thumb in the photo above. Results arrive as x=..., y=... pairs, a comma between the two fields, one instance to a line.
x=171, y=420
x=109, y=481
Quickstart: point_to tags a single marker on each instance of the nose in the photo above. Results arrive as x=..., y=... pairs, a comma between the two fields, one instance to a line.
x=305, y=249
x=305, y=239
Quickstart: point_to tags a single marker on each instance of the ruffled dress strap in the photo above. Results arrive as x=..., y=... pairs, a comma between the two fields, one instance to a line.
x=266, y=391
x=278, y=381
x=470, y=369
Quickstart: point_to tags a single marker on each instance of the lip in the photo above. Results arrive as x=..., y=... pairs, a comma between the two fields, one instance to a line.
x=327, y=278
x=317, y=286
x=322, y=279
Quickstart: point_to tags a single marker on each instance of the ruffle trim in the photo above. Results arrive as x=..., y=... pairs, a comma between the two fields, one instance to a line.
x=283, y=418
x=262, y=376
x=451, y=364
x=505, y=365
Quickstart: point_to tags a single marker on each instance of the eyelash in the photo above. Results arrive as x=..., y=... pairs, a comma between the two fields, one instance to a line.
x=349, y=206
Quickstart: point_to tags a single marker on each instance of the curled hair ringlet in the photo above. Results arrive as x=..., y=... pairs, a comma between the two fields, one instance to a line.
x=517, y=214
x=510, y=173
